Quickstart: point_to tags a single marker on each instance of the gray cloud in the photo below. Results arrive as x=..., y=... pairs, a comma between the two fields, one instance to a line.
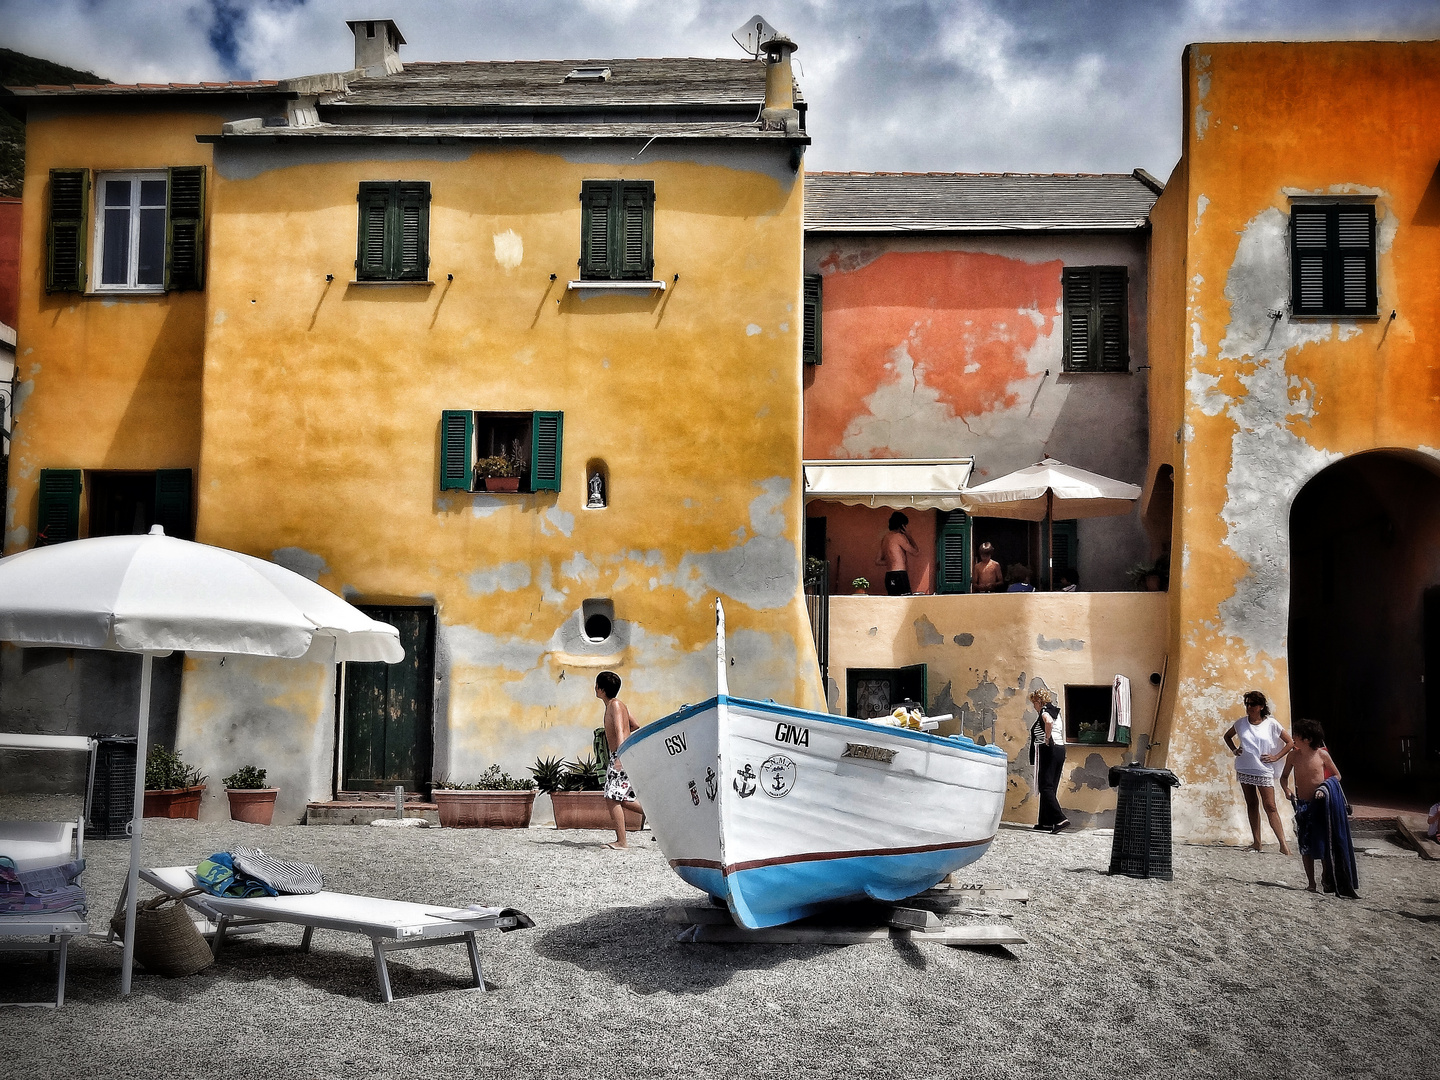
x=985, y=85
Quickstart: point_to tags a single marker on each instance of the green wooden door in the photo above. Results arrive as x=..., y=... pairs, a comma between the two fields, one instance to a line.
x=388, y=709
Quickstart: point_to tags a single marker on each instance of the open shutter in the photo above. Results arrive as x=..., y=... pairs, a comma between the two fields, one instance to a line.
x=411, y=217
x=457, y=449
x=59, y=518
x=372, y=261
x=635, y=239
x=1065, y=553
x=65, y=240
x=547, y=437
x=953, y=553
x=172, y=502
x=596, y=199
x=1112, y=320
x=810, y=345
x=1355, y=259
x=1078, y=287
x=185, y=228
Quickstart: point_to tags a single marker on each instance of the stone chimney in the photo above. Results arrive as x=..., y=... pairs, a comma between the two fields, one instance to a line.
x=377, y=47
x=779, y=113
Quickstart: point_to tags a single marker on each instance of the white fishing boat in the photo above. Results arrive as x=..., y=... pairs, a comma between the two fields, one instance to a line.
x=778, y=811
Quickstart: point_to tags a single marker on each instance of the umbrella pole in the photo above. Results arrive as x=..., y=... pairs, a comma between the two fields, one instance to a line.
x=1050, y=541
x=132, y=881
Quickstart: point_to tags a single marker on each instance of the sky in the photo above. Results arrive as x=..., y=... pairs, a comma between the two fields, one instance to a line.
x=913, y=85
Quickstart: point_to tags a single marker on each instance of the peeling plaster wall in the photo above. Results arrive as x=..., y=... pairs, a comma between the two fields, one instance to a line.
x=984, y=654
x=952, y=346
x=1268, y=401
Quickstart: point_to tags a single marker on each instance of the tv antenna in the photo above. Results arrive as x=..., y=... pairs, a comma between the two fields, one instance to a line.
x=753, y=34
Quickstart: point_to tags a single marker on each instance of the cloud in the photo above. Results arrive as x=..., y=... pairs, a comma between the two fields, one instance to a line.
x=977, y=85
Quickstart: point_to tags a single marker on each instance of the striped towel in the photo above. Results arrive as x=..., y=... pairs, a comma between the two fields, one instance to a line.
x=284, y=877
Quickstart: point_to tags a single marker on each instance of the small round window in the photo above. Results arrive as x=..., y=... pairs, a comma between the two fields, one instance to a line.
x=597, y=627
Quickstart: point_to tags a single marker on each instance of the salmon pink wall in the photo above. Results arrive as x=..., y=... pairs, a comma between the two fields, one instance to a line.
x=853, y=535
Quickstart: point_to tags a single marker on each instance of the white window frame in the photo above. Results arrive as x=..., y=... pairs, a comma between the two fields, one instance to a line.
x=132, y=258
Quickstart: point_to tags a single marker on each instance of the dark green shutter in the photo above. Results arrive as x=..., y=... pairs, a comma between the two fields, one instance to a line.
x=172, y=502
x=1065, y=551
x=596, y=199
x=410, y=221
x=1112, y=320
x=59, y=518
x=810, y=345
x=1097, y=318
x=617, y=230
x=1079, y=300
x=65, y=240
x=185, y=228
x=953, y=553
x=547, y=440
x=1332, y=260
x=457, y=448
x=635, y=232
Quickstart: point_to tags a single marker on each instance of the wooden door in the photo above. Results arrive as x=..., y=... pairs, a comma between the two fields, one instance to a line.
x=387, y=737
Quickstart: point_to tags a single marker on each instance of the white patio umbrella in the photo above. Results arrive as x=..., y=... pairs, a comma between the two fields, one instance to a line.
x=154, y=594
x=1049, y=490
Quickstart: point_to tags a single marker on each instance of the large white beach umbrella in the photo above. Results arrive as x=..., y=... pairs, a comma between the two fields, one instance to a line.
x=154, y=594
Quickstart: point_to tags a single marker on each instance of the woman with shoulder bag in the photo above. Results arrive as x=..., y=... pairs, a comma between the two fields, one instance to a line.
x=1047, y=742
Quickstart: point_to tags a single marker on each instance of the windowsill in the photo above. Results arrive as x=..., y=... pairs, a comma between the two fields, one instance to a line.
x=157, y=290
x=616, y=286
x=1096, y=371
x=1349, y=317
x=404, y=281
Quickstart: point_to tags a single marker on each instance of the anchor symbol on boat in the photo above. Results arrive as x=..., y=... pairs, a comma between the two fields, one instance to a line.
x=744, y=781
x=712, y=784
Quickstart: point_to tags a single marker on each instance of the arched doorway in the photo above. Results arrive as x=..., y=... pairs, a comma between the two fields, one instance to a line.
x=1364, y=635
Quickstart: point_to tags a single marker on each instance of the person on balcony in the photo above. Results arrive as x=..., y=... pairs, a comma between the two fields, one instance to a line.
x=895, y=551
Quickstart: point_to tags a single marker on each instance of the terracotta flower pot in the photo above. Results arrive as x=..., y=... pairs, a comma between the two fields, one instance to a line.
x=502, y=483
x=255, y=805
x=587, y=810
x=484, y=809
x=174, y=803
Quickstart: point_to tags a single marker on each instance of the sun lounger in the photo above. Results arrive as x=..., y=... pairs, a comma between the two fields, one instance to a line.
x=391, y=925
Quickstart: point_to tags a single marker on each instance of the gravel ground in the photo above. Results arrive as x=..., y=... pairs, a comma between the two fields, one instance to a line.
x=1231, y=970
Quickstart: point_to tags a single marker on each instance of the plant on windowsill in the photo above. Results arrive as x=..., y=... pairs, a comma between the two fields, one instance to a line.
x=496, y=801
x=580, y=801
x=861, y=586
x=250, y=799
x=500, y=472
x=172, y=788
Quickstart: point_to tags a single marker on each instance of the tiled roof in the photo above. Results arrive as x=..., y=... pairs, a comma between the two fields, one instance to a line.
x=976, y=202
x=123, y=89
x=455, y=132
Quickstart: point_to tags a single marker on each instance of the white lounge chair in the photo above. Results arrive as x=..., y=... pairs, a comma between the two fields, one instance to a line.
x=391, y=925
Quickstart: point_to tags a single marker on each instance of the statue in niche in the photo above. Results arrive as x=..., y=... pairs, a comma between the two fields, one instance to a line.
x=597, y=491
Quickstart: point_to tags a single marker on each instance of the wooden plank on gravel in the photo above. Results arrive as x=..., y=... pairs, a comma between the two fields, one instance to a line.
x=699, y=916
x=973, y=935
x=835, y=935
x=907, y=918
x=1427, y=848
x=990, y=892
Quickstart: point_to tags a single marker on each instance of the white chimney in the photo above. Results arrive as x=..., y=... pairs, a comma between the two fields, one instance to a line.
x=377, y=46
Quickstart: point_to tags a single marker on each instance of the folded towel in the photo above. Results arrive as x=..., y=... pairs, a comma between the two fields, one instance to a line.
x=286, y=877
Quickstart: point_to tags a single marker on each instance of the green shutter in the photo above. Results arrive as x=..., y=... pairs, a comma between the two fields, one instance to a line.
x=1065, y=552
x=1111, y=319
x=1078, y=287
x=65, y=239
x=457, y=449
x=810, y=346
x=547, y=438
x=633, y=239
x=410, y=222
x=185, y=228
x=597, y=197
x=953, y=553
x=371, y=260
x=59, y=518
x=172, y=502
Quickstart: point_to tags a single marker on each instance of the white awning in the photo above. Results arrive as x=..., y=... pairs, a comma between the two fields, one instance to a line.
x=899, y=483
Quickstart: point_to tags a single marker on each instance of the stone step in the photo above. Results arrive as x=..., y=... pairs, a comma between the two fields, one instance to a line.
x=356, y=812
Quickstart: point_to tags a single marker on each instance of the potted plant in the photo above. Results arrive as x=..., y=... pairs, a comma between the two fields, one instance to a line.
x=496, y=801
x=250, y=799
x=580, y=799
x=500, y=472
x=861, y=586
x=172, y=788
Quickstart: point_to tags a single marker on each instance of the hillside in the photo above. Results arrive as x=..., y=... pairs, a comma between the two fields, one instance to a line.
x=17, y=69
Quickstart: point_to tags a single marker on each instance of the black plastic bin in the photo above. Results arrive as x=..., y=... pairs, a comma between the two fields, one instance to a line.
x=112, y=802
x=1142, y=822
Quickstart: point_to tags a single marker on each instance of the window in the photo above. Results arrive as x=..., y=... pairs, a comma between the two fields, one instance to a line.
x=1097, y=318
x=148, y=230
x=1087, y=714
x=118, y=503
x=394, y=243
x=533, y=441
x=875, y=692
x=617, y=227
x=952, y=553
x=1332, y=260
x=810, y=346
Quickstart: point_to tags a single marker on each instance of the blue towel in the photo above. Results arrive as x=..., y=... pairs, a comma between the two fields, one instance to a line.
x=217, y=876
x=1339, y=857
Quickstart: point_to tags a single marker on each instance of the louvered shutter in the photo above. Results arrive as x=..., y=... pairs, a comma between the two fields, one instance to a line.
x=457, y=448
x=1355, y=239
x=1309, y=233
x=635, y=232
x=371, y=261
x=1332, y=260
x=1064, y=553
x=172, y=502
x=1078, y=291
x=185, y=228
x=953, y=553
x=59, y=518
x=65, y=239
x=1111, y=342
x=547, y=438
x=810, y=344
x=410, y=219
x=597, y=197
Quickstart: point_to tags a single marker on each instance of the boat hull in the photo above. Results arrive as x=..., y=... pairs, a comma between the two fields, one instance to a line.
x=778, y=811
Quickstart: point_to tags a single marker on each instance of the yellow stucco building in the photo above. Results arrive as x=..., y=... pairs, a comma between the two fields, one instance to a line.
x=322, y=321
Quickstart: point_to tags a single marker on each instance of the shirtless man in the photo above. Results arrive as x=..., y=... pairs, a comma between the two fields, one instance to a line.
x=1309, y=763
x=894, y=552
x=988, y=576
x=618, y=726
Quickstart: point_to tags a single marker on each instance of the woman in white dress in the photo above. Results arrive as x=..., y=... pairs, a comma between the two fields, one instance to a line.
x=1259, y=744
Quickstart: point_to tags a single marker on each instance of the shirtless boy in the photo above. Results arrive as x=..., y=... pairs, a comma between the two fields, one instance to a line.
x=618, y=726
x=989, y=576
x=1309, y=763
x=894, y=552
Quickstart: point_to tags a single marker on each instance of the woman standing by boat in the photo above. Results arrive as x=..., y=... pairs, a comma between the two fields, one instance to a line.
x=1047, y=739
x=1263, y=743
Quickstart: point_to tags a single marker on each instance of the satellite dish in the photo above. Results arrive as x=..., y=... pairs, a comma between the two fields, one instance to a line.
x=754, y=33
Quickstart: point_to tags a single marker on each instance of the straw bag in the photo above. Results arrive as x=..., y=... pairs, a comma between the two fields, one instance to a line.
x=167, y=942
